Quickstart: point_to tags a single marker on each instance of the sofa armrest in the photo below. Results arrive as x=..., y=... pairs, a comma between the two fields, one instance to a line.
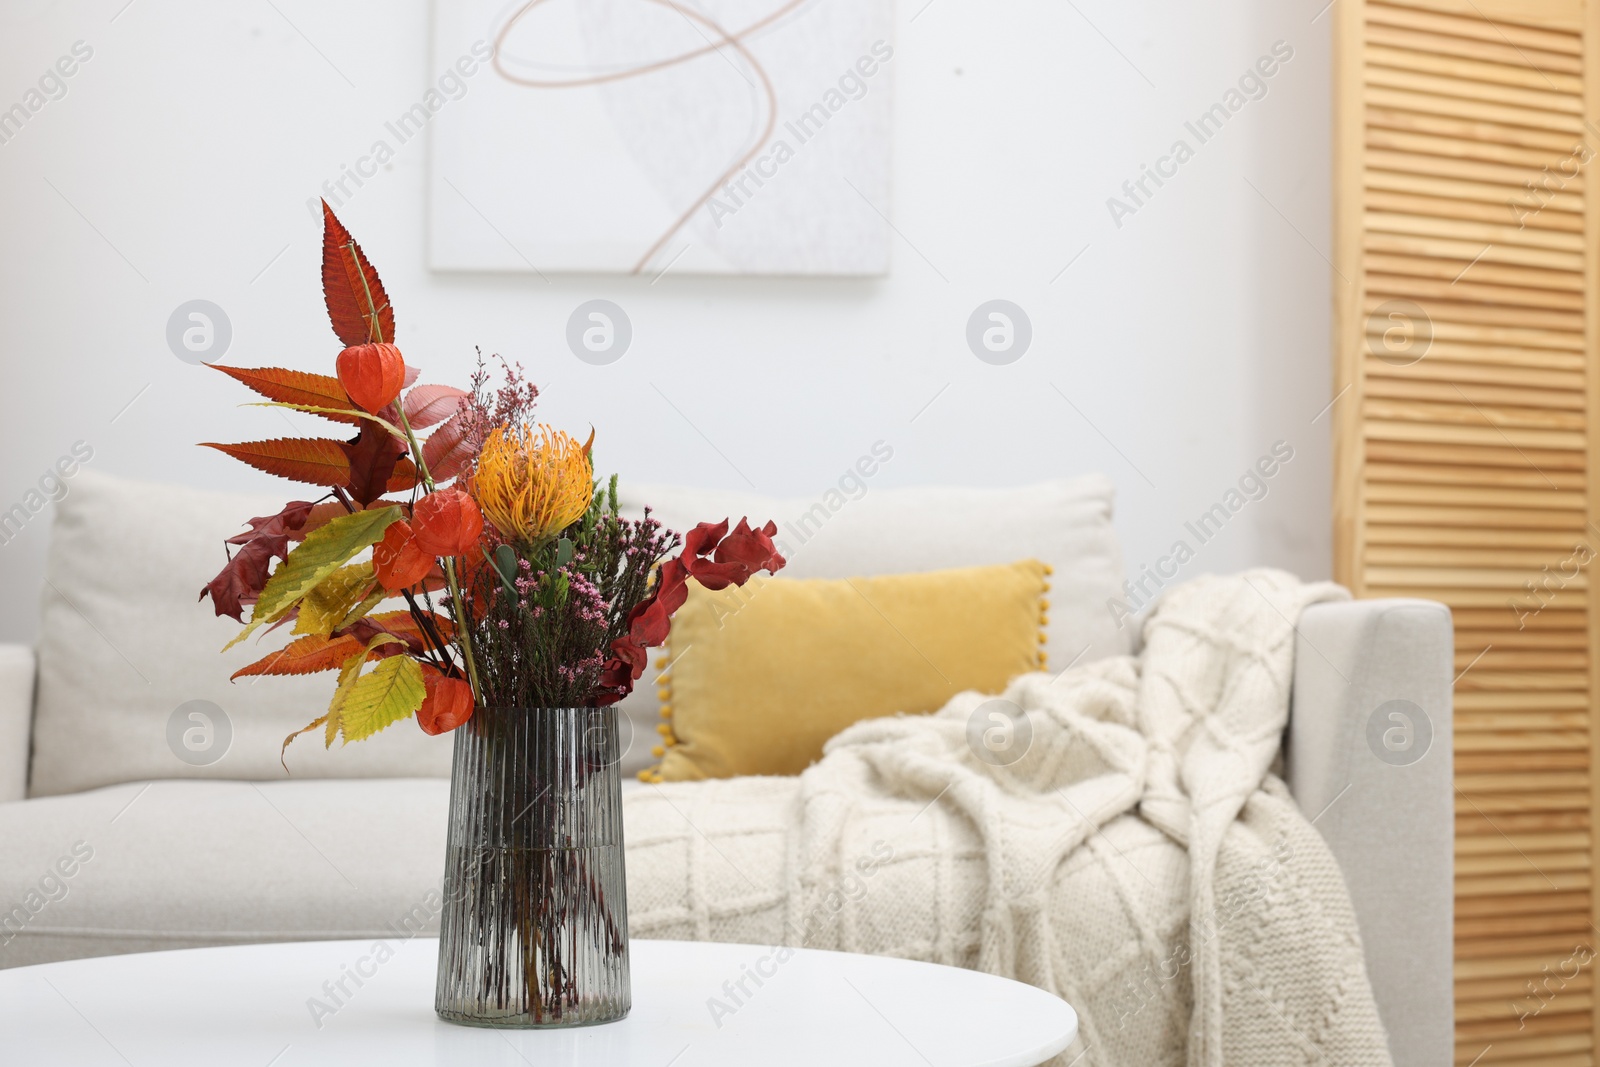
x=16, y=719
x=1368, y=758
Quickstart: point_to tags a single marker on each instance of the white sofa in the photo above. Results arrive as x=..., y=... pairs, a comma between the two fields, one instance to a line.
x=142, y=805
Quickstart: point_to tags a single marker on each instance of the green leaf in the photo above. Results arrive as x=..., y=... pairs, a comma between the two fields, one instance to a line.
x=505, y=565
x=563, y=552
x=394, y=690
x=324, y=551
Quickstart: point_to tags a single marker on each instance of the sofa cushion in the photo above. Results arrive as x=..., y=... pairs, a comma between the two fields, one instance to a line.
x=858, y=530
x=763, y=676
x=175, y=864
x=132, y=682
x=187, y=864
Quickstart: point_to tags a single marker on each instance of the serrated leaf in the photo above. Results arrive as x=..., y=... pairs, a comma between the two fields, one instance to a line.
x=391, y=691
x=404, y=477
x=404, y=625
x=378, y=595
x=448, y=450
x=304, y=655
x=324, y=608
x=321, y=392
x=429, y=405
x=357, y=305
x=319, y=555
x=313, y=460
x=347, y=680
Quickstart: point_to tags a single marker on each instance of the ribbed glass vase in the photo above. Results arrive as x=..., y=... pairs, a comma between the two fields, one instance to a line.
x=535, y=925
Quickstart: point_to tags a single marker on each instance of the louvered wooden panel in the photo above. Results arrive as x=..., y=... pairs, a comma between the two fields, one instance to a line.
x=1466, y=319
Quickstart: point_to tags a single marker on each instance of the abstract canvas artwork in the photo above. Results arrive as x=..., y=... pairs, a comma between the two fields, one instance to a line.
x=645, y=136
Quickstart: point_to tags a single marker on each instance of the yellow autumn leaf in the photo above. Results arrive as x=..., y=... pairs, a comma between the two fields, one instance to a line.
x=392, y=691
x=284, y=751
x=326, y=606
x=347, y=679
x=363, y=609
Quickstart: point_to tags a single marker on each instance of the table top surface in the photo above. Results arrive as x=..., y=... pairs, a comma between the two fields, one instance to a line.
x=694, y=1005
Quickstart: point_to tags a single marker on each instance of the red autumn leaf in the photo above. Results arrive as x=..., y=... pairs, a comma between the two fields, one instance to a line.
x=357, y=305
x=713, y=557
x=448, y=703
x=647, y=626
x=246, y=572
x=277, y=530
x=240, y=581
x=372, y=375
x=372, y=458
x=314, y=460
x=448, y=451
x=398, y=560
x=446, y=523
x=737, y=556
x=429, y=405
x=401, y=624
x=305, y=655
x=294, y=387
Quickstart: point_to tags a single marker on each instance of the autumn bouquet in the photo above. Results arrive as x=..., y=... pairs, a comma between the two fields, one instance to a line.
x=476, y=576
x=521, y=584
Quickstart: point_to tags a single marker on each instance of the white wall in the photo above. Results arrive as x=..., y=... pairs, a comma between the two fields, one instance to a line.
x=1188, y=340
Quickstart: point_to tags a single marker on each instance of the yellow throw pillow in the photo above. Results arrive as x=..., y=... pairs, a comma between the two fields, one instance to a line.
x=762, y=676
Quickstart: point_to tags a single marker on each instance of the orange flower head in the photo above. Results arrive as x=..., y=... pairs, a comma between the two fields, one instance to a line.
x=532, y=481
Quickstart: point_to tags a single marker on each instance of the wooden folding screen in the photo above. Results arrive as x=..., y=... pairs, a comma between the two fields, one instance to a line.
x=1467, y=147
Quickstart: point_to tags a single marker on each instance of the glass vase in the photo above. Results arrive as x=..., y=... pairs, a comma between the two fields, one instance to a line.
x=535, y=925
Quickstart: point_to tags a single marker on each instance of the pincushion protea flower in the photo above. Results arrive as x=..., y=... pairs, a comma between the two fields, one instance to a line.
x=533, y=481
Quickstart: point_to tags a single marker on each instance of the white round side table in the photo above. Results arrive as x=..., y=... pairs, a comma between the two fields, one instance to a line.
x=317, y=1003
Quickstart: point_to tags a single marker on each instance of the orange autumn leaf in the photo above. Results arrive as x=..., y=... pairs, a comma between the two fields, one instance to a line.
x=357, y=305
x=403, y=478
x=404, y=625
x=314, y=460
x=305, y=655
x=295, y=387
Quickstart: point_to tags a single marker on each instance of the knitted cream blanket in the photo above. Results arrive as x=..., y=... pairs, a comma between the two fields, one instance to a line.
x=1140, y=860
